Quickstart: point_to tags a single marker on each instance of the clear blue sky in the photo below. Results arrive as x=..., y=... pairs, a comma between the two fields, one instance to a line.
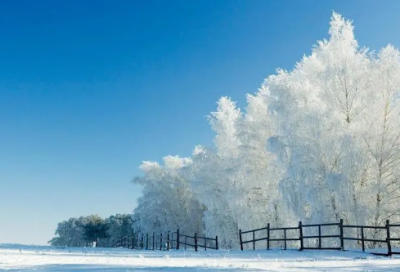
x=89, y=89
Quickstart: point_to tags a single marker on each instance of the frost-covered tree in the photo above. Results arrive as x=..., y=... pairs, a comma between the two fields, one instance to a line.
x=69, y=233
x=317, y=143
x=167, y=202
x=92, y=230
x=313, y=107
x=237, y=182
x=210, y=184
x=257, y=173
x=332, y=116
x=211, y=178
x=381, y=136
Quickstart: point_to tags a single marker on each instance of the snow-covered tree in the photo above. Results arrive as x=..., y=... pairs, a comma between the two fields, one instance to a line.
x=167, y=202
x=336, y=119
x=69, y=233
x=317, y=143
x=92, y=230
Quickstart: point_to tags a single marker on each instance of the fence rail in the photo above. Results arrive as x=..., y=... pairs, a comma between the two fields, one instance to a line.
x=167, y=241
x=332, y=236
x=393, y=239
x=320, y=237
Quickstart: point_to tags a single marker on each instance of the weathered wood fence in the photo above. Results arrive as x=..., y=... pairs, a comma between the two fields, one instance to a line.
x=167, y=241
x=335, y=237
x=199, y=242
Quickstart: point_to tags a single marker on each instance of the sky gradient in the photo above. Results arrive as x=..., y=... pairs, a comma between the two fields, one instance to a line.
x=89, y=89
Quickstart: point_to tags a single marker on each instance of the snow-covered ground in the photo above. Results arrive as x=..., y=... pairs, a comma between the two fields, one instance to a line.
x=35, y=258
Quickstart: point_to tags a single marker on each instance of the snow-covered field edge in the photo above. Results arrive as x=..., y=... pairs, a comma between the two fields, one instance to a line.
x=43, y=258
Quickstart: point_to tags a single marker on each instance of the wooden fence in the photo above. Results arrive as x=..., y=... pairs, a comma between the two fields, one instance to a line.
x=123, y=241
x=199, y=242
x=333, y=236
x=335, y=239
x=167, y=241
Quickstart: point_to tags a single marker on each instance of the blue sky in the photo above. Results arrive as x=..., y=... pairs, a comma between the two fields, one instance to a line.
x=89, y=89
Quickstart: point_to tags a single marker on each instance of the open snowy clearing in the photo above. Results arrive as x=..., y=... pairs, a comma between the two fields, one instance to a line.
x=34, y=258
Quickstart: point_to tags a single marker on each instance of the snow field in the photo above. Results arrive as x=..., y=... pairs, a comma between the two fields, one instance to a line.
x=33, y=258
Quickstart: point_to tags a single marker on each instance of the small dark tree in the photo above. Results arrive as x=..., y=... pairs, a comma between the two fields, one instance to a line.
x=94, y=229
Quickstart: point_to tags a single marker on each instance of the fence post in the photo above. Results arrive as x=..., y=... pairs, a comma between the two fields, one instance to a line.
x=301, y=236
x=205, y=243
x=195, y=241
x=362, y=239
x=388, y=237
x=153, y=241
x=268, y=236
x=254, y=242
x=142, y=242
x=341, y=235
x=161, y=241
x=177, y=239
x=216, y=242
x=319, y=237
x=133, y=241
x=147, y=241
x=185, y=241
x=168, y=240
x=284, y=237
x=240, y=239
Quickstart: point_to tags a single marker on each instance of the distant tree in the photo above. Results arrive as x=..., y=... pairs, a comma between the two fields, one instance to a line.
x=95, y=228
x=69, y=233
x=119, y=225
x=82, y=231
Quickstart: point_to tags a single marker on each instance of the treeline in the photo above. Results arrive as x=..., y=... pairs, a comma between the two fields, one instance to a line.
x=92, y=230
x=315, y=144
